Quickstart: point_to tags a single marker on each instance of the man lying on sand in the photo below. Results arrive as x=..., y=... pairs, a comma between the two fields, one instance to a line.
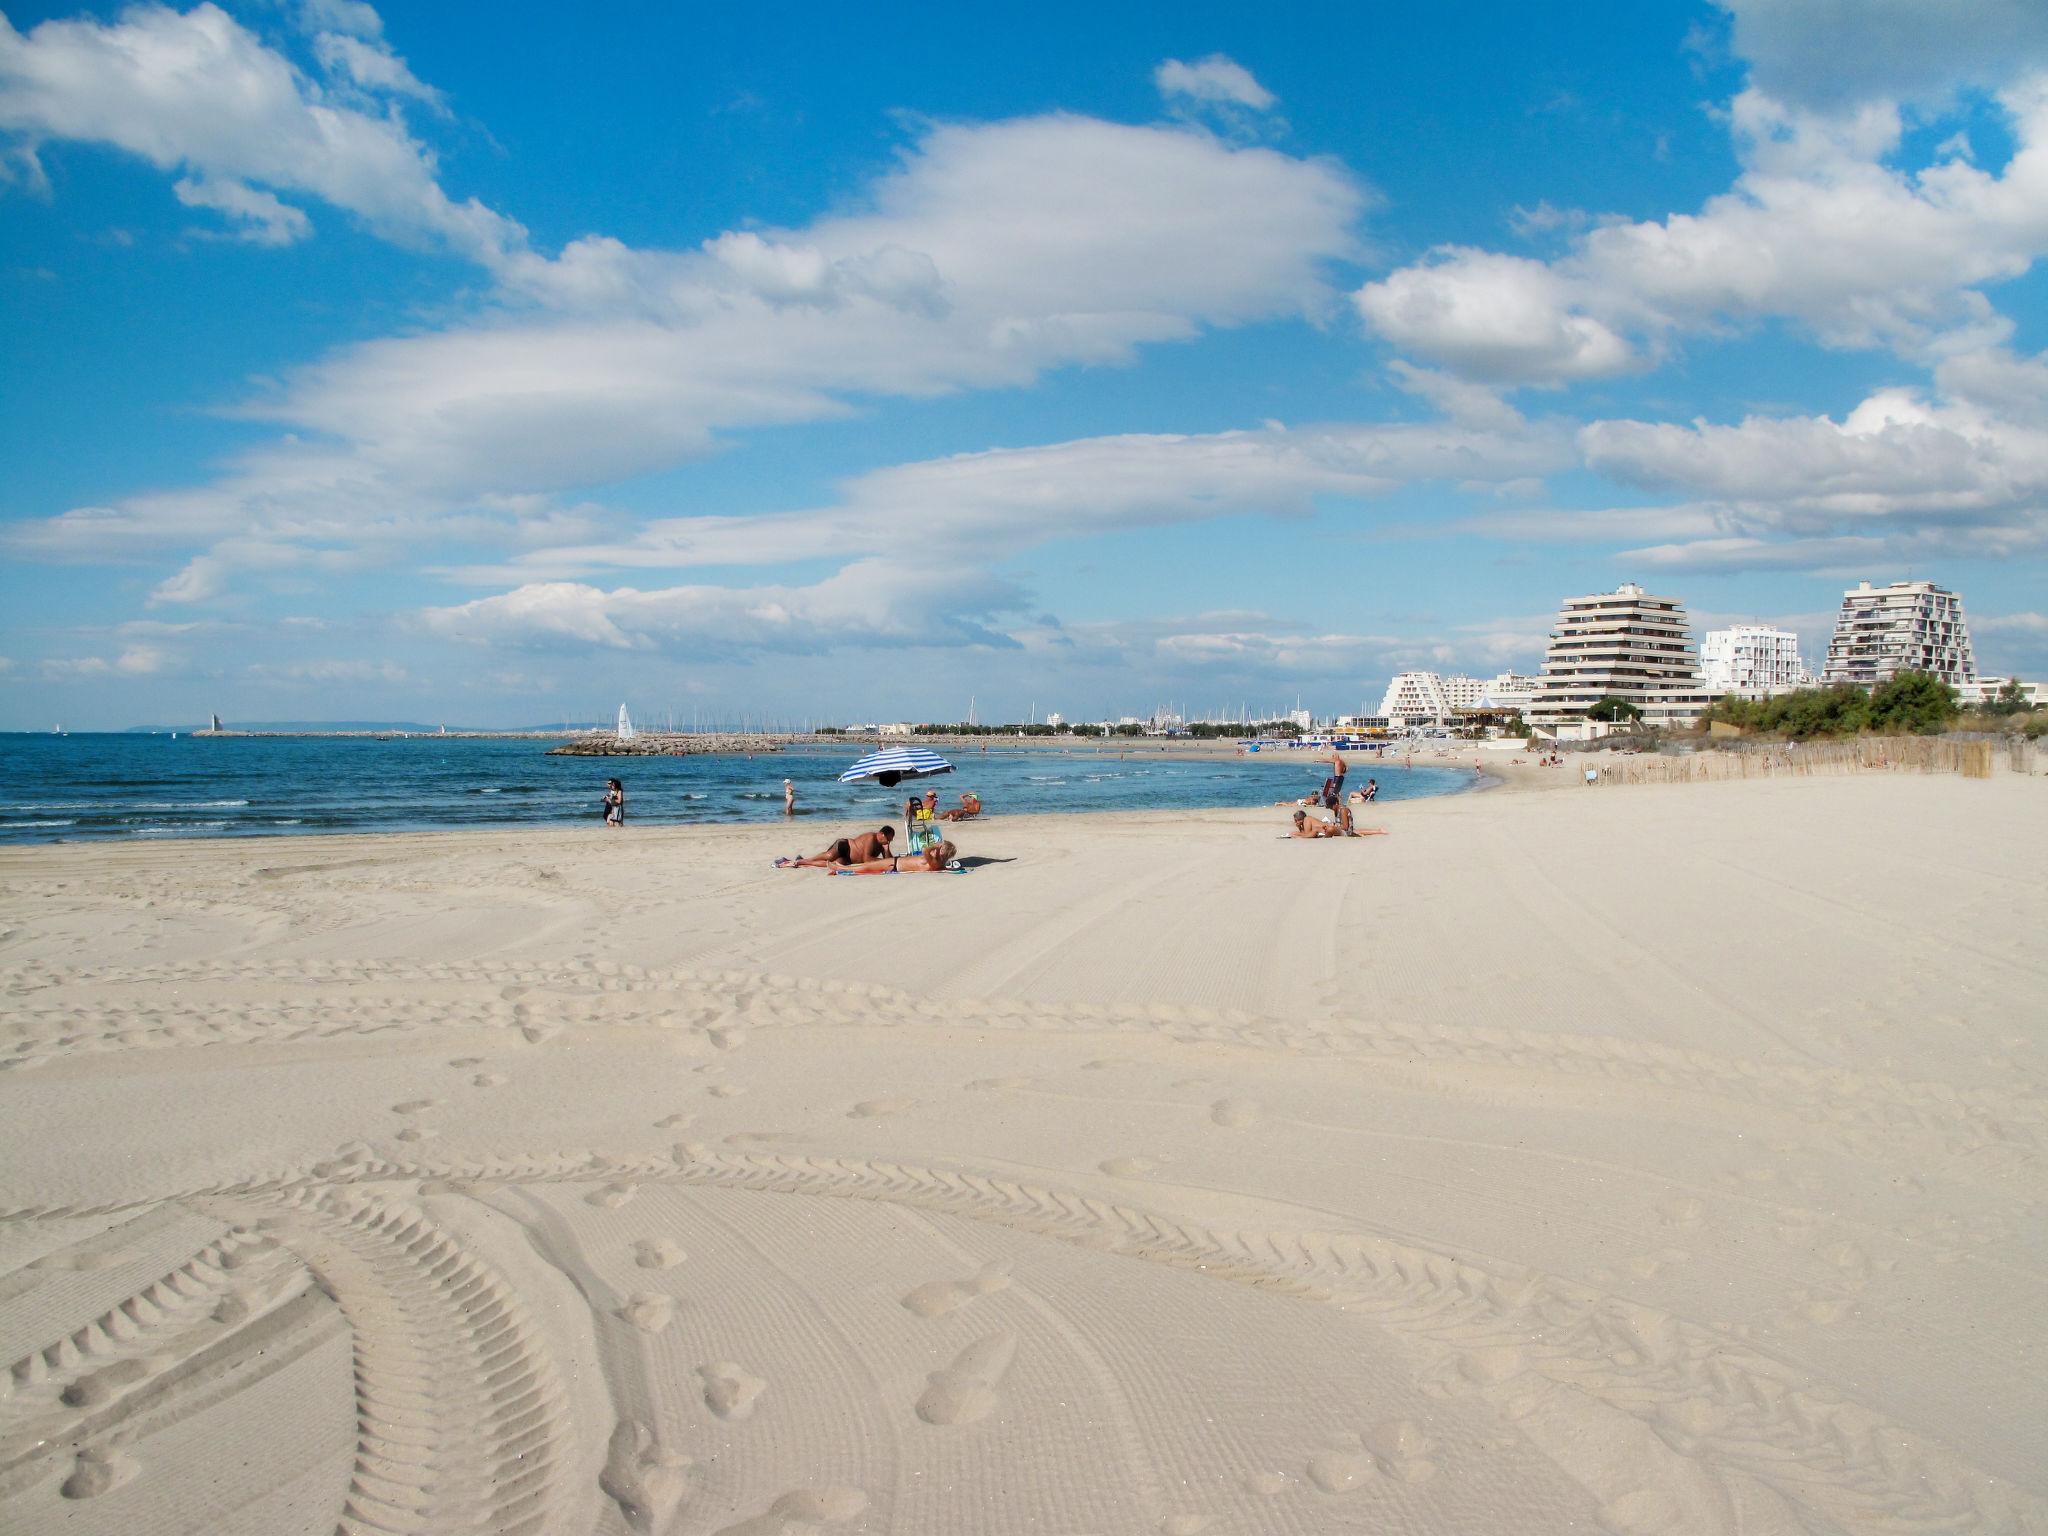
x=863, y=849
x=935, y=860
x=968, y=808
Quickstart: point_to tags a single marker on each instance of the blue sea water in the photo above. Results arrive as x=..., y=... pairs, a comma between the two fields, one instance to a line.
x=99, y=787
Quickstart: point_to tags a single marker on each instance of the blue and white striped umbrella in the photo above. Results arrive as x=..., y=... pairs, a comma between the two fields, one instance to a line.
x=894, y=764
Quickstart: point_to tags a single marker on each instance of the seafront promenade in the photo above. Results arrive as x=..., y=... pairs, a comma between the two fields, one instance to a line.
x=1650, y=1161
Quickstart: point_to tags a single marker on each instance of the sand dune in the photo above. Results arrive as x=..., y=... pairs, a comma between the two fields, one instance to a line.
x=1657, y=1161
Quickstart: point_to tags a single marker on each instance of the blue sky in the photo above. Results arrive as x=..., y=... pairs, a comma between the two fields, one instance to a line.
x=407, y=363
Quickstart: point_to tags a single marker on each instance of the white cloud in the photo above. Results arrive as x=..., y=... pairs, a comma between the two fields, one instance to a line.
x=1505, y=319
x=1214, y=79
x=373, y=67
x=992, y=254
x=869, y=603
x=1821, y=228
x=1829, y=52
x=133, y=661
x=984, y=506
x=200, y=94
x=2012, y=623
x=264, y=220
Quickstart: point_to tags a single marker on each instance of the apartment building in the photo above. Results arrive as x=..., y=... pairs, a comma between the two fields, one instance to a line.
x=1909, y=626
x=1751, y=661
x=1627, y=644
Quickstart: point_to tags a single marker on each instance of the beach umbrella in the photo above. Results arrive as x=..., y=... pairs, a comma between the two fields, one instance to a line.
x=892, y=765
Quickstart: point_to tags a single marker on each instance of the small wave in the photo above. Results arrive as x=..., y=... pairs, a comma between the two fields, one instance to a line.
x=289, y=821
x=13, y=825
x=488, y=791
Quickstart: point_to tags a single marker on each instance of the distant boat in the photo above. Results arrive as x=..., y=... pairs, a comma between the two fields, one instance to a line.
x=626, y=731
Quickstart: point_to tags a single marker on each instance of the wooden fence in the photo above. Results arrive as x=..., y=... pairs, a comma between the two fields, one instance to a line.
x=1872, y=754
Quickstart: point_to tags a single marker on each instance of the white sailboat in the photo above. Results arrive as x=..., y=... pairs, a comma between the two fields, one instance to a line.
x=626, y=731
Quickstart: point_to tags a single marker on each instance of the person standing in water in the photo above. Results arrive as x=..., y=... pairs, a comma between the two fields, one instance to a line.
x=788, y=798
x=614, y=803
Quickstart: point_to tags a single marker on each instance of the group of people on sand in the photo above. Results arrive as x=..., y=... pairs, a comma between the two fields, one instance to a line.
x=1331, y=797
x=871, y=853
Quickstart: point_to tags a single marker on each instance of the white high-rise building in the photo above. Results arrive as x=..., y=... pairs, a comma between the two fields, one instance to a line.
x=1751, y=661
x=1430, y=698
x=1624, y=644
x=1416, y=698
x=1509, y=690
x=1909, y=626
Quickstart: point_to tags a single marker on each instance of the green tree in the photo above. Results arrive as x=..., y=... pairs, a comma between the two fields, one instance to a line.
x=1918, y=702
x=1613, y=710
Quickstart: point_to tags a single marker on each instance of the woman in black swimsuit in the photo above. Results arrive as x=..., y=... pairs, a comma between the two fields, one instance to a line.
x=614, y=803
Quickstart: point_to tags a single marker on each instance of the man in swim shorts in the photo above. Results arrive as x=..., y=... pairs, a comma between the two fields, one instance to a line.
x=865, y=848
x=1333, y=786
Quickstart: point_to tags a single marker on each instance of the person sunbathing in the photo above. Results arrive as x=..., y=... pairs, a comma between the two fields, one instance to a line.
x=863, y=849
x=968, y=808
x=935, y=860
x=1306, y=825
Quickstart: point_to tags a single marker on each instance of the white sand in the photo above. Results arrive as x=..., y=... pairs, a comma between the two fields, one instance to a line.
x=1660, y=1160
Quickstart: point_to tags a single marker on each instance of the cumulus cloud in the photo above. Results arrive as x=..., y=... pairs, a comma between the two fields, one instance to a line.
x=1821, y=227
x=991, y=254
x=1214, y=79
x=374, y=68
x=200, y=94
x=133, y=661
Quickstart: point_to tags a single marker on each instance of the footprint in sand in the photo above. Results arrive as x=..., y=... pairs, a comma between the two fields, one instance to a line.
x=415, y=1106
x=725, y=1090
x=1401, y=1450
x=489, y=1080
x=98, y=1472
x=726, y=1039
x=467, y=1061
x=645, y=1480
x=937, y=1297
x=1234, y=1112
x=649, y=1311
x=673, y=1122
x=612, y=1196
x=1127, y=1167
x=415, y=1133
x=1686, y=1211
x=874, y=1109
x=104, y=1385
x=729, y=1391
x=1340, y=1471
x=656, y=1253
x=801, y=1512
x=966, y=1390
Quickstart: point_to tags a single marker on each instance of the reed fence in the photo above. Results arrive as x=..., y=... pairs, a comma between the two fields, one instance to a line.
x=1873, y=754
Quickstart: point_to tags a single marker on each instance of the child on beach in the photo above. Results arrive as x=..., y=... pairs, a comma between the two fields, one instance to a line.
x=614, y=803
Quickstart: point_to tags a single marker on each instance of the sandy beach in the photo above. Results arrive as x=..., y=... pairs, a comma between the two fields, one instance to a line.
x=1665, y=1160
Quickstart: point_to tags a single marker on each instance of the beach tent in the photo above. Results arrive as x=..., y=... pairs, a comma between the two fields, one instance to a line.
x=893, y=765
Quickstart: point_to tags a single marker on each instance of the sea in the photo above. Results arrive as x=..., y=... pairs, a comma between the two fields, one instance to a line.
x=94, y=788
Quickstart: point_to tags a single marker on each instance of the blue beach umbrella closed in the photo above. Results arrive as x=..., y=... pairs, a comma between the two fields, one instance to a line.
x=893, y=765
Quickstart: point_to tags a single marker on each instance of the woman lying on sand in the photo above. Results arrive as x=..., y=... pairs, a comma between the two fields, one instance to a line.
x=935, y=860
x=1306, y=826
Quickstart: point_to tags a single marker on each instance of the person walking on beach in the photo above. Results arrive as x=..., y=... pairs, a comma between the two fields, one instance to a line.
x=614, y=803
x=1333, y=786
x=788, y=798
